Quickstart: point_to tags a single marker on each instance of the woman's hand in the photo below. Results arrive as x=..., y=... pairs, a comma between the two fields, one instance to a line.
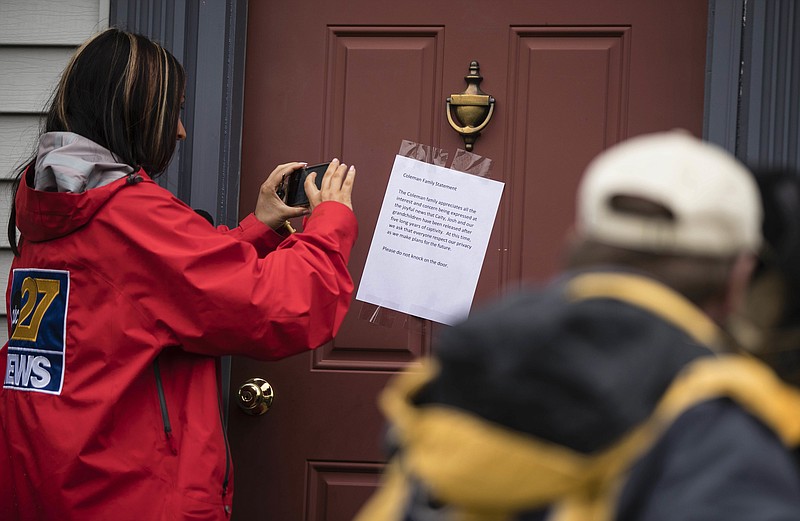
x=270, y=209
x=337, y=185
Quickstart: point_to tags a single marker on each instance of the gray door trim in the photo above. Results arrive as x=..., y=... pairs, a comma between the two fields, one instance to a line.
x=723, y=72
x=769, y=135
x=753, y=82
x=209, y=39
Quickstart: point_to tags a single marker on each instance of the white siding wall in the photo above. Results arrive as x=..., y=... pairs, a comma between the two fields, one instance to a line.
x=37, y=37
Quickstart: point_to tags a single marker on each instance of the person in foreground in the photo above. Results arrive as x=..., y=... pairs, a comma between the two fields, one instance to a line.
x=121, y=299
x=612, y=393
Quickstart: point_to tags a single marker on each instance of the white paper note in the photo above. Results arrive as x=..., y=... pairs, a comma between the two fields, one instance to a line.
x=430, y=241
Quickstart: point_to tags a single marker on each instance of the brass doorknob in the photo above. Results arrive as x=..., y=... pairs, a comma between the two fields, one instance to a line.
x=255, y=396
x=473, y=108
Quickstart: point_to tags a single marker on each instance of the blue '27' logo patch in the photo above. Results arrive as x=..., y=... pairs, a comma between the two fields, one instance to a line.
x=38, y=309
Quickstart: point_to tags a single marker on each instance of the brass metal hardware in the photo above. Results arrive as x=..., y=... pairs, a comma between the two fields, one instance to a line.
x=473, y=108
x=255, y=396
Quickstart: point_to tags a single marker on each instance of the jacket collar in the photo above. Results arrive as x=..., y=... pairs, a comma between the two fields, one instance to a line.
x=42, y=216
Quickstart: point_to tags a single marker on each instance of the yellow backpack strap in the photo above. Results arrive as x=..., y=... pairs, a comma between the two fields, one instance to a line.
x=649, y=295
x=748, y=382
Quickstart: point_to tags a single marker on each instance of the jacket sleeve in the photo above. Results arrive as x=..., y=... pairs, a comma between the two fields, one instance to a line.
x=716, y=462
x=211, y=293
x=263, y=238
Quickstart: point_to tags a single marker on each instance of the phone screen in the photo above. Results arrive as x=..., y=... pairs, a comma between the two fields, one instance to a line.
x=294, y=194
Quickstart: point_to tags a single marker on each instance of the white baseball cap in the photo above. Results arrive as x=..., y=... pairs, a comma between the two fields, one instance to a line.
x=712, y=197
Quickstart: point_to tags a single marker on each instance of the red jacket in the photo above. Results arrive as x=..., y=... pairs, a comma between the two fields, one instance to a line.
x=119, y=304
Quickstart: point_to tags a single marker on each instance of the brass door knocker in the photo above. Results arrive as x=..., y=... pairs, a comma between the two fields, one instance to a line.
x=473, y=108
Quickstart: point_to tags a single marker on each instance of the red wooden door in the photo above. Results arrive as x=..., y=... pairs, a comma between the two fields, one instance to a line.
x=352, y=80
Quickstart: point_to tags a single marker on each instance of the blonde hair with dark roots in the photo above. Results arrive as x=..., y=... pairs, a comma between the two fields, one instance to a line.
x=123, y=91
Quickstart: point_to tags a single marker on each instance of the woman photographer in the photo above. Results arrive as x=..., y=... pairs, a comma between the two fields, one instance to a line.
x=121, y=299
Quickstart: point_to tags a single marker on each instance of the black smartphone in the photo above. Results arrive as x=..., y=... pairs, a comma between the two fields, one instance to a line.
x=292, y=191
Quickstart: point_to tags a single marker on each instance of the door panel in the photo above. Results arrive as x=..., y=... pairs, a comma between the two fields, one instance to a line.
x=588, y=69
x=352, y=80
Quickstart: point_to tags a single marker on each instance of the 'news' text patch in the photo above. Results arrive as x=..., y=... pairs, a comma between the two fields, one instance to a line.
x=36, y=347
